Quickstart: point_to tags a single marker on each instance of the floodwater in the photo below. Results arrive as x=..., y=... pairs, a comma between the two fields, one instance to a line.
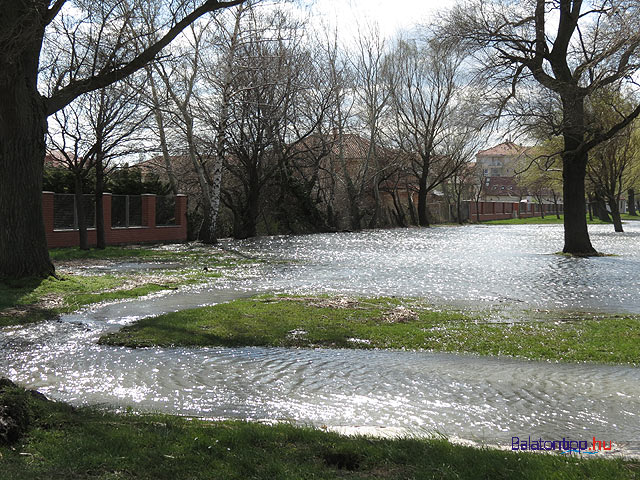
x=474, y=265
x=484, y=400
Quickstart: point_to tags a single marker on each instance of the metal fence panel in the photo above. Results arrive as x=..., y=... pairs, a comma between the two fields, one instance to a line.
x=126, y=211
x=166, y=210
x=119, y=211
x=135, y=210
x=64, y=211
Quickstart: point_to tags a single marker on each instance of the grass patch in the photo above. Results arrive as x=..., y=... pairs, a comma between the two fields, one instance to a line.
x=552, y=219
x=34, y=299
x=61, y=442
x=382, y=323
x=108, y=253
x=31, y=300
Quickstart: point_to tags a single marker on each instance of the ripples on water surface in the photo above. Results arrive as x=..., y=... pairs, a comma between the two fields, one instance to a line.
x=474, y=398
x=485, y=264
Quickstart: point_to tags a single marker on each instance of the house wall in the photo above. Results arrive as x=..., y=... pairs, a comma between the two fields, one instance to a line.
x=148, y=233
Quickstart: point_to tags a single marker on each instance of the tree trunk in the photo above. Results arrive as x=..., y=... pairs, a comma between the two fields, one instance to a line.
x=101, y=242
x=399, y=212
x=162, y=136
x=615, y=214
x=411, y=207
x=541, y=207
x=632, y=202
x=80, y=213
x=248, y=227
x=423, y=217
x=576, y=235
x=23, y=124
x=601, y=209
x=459, y=207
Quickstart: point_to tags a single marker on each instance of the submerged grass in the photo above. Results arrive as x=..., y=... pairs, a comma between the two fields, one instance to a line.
x=31, y=300
x=383, y=323
x=35, y=299
x=61, y=442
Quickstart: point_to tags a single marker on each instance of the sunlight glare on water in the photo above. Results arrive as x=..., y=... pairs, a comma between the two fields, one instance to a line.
x=462, y=396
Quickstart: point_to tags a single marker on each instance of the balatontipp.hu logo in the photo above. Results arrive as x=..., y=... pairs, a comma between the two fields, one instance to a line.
x=561, y=446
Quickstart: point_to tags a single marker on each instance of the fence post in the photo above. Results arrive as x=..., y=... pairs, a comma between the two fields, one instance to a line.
x=181, y=209
x=149, y=210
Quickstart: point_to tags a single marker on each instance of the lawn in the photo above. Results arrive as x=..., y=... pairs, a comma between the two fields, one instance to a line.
x=553, y=219
x=34, y=299
x=386, y=323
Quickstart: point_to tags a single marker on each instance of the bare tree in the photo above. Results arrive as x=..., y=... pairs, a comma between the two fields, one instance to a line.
x=115, y=120
x=68, y=143
x=373, y=95
x=25, y=27
x=269, y=115
x=427, y=99
x=610, y=169
x=569, y=48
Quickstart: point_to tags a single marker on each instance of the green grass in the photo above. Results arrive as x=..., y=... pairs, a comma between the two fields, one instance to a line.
x=553, y=219
x=20, y=299
x=34, y=299
x=63, y=443
x=108, y=253
x=379, y=323
x=200, y=255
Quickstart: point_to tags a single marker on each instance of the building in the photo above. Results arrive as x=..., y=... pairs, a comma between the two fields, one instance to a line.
x=501, y=160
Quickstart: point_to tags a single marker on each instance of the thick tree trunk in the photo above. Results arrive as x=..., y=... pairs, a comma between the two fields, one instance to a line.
x=632, y=202
x=574, y=171
x=23, y=124
x=423, y=217
x=576, y=235
x=601, y=209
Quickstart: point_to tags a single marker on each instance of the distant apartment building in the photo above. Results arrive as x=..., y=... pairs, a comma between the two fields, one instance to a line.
x=501, y=160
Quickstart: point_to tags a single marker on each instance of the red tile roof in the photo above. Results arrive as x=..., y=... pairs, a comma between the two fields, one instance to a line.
x=505, y=149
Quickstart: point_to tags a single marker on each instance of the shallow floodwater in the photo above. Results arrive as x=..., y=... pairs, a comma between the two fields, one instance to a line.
x=465, y=397
x=478, y=265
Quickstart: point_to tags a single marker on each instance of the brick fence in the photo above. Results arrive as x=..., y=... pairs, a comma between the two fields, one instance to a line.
x=149, y=232
x=505, y=210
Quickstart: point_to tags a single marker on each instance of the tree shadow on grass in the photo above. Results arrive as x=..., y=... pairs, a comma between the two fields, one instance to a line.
x=14, y=310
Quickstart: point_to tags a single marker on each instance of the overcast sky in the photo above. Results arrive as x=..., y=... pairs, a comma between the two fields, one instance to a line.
x=390, y=15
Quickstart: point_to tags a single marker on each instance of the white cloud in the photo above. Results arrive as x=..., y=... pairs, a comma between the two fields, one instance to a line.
x=390, y=16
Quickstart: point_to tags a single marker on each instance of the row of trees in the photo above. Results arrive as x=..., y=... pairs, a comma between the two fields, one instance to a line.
x=282, y=127
x=265, y=112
